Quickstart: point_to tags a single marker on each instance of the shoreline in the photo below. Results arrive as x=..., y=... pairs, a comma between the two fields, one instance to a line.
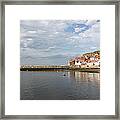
x=93, y=70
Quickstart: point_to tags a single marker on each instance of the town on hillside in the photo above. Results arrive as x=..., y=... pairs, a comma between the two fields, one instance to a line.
x=87, y=60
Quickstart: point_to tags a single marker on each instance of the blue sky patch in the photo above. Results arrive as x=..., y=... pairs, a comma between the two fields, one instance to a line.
x=75, y=26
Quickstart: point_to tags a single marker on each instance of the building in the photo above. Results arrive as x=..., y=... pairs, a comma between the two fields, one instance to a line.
x=89, y=60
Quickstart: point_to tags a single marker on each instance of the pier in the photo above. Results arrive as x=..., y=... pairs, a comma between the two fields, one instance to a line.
x=56, y=68
x=40, y=68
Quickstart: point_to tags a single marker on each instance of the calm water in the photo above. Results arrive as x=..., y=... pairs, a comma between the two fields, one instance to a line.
x=67, y=85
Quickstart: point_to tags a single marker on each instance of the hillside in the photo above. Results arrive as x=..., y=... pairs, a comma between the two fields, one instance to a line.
x=92, y=54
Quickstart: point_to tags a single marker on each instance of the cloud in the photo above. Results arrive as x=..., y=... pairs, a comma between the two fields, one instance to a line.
x=40, y=38
x=93, y=48
x=25, y=45
x=29, y=39
x=32, y=31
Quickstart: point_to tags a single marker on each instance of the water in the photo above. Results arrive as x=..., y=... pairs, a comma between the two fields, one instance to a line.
x=64, y=85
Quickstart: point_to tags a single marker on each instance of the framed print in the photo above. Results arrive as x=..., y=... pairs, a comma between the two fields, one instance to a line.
x=60, y=59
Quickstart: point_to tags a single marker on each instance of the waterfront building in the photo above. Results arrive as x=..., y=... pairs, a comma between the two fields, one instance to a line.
x=89, y=60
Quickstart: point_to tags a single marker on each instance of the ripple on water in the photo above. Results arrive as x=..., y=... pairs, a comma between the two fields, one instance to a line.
x=55, y=86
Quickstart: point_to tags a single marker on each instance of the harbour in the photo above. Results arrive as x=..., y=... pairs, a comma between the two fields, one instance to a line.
x=60, y=60
x=59, y=85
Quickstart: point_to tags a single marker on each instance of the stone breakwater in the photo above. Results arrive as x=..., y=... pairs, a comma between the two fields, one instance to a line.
x=56, y=68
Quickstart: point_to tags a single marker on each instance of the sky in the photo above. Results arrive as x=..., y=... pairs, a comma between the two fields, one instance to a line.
x=54, y=42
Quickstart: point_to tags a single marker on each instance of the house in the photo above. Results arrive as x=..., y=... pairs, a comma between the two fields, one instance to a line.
x=71, y=62
x=89, y=60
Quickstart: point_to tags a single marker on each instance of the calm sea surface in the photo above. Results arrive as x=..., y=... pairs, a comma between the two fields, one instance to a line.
x=67, y=85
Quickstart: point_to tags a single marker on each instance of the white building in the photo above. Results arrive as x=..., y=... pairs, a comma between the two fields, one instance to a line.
x=92, y=58
x=97, y=63
x=77, y=62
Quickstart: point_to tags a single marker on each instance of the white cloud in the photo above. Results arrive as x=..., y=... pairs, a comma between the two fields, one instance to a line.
x=77, y=29
x=29, y=39
x=92, y=33
x=91, y=22
x=93, y=48
x=56, y=32
x=41, y=31
x=75, y=37
x=52, y=47
x=49, y=38
x=82, y=35
x=32, y=31
x=25, y=44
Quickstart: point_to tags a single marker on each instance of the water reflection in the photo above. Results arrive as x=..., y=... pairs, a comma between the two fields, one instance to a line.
x=62, y=85
x=78, y=76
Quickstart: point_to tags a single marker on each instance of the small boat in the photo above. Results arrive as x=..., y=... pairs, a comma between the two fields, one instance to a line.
x=64, y=74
